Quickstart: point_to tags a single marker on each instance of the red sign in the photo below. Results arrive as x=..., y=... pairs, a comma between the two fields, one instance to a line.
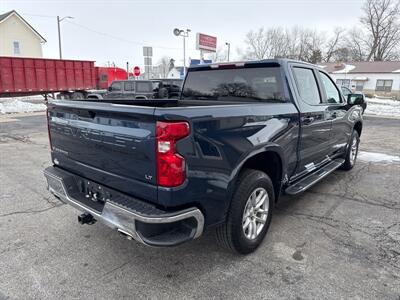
x=206, y=42
x=136, y=71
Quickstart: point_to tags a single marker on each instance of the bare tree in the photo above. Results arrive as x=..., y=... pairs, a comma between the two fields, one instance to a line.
x=257, y=44
x=297, y=43
x=164, y=66
x=306, y=44
x=334, y=43
x=219, y=55
x=356, y=44
x=342, y=54
x=381, y=20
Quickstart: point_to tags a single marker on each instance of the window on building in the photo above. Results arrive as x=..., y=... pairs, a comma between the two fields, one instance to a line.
x=307, y=85
x=384, y=85
x=17, y=49
x=343, y=82
x=359, y=85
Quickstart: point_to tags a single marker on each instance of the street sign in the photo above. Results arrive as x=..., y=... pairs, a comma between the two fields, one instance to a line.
x=206, y=42
x=136, y=71
x=148, y=61
x=147, y=51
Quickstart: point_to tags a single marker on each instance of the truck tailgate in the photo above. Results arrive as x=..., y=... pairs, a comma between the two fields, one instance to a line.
x=111, y=144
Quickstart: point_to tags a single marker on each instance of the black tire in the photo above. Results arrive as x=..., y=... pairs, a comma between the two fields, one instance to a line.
x=231, y=234
x=349, y=159
x=63, y=95
x=77, y=96
x=93, y=97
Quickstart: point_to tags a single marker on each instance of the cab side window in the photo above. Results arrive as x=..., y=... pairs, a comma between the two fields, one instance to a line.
x=307, y=85
x=116, y=86
x=332, y=93
x=129, y=86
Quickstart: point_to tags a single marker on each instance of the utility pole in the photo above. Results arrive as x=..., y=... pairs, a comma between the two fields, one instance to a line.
x=127, y=70
x=59, y=20
x=229, y=48
x=184, y=34
x=184, y=56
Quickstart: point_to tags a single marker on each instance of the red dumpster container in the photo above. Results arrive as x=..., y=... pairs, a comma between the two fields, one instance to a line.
x=29, y=76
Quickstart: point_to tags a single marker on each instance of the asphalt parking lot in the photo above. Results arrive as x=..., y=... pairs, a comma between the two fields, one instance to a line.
x=339, y=240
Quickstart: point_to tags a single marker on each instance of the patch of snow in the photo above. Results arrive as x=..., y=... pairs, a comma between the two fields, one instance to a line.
x=385, y=101
x=397, y=71
x=18, y=106
x=377, y=157
x=383, y=107
x=33, y=99
x=346, y=69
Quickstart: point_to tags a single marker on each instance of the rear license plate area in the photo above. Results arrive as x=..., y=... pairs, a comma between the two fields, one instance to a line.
x=90, y=194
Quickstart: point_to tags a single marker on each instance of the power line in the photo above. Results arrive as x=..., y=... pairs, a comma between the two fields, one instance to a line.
x=42, y=16
x=107, y=34
x=120, y=38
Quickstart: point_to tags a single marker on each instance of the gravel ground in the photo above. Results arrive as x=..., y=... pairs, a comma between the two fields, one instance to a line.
x=339, y=240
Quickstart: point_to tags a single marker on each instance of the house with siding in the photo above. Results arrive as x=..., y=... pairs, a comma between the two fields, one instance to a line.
x=18, y=37
x=380, y=78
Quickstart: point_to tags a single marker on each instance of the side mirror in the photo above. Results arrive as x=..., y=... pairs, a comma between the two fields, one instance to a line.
x=355, y=99
x=110, y=89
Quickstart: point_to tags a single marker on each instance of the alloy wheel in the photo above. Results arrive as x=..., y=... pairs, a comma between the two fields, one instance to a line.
x=255, y=213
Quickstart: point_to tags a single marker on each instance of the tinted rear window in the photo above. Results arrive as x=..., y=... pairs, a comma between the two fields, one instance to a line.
x=238, y=84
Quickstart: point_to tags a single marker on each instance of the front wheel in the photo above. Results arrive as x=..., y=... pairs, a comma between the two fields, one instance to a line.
x=352, y=151
x=250, y=213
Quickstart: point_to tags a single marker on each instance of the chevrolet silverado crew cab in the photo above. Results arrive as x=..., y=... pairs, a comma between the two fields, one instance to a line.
x=241, y=134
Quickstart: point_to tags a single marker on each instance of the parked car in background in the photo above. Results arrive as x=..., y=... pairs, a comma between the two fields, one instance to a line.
x=133, y=89
x=346, y=91
x=161, y=172
x=173, y=86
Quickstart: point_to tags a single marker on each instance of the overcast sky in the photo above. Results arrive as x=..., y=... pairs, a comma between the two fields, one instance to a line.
x=115, y=31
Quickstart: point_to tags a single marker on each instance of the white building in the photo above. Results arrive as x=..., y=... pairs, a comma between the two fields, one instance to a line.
x=18, y=37
x=380, y=78
x=176, y=72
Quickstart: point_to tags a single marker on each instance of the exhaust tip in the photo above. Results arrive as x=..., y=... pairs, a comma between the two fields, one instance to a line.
x=125, y=234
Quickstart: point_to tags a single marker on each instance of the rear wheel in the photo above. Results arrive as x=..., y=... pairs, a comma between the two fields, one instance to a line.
x=352, y=151
x=250, y=213
x=77, y=96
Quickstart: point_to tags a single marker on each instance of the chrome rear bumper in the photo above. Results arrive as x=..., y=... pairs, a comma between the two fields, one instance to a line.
x=161, y=229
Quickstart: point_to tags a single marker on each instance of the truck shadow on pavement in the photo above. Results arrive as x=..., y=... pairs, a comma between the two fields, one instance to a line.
x=325, y=215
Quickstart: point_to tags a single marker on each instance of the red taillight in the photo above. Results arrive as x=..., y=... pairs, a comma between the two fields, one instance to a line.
x=48, y=127
x=170, y=165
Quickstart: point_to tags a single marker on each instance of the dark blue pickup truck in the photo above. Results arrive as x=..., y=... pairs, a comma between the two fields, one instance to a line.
x=241, y=134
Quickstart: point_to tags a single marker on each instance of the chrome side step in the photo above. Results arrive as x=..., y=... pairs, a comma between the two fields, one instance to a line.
x=310, y=180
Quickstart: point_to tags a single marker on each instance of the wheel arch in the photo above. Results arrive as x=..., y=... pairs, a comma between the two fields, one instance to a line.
x=269, y=160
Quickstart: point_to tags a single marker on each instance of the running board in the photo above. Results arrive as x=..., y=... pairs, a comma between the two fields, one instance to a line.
x=310, y=180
